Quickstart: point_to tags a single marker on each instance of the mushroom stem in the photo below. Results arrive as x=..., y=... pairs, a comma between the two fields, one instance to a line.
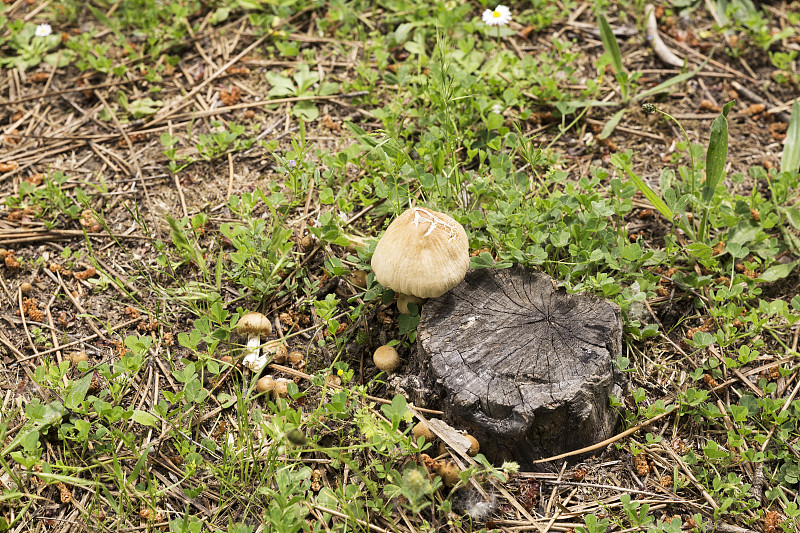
x=252, y=353
x=404, y=299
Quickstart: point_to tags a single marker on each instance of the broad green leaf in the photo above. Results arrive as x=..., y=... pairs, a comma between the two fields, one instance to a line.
x=78, y=391
x=777, y=272
x=790, y=160
x=793, y=216
x=143, y=417
x=281, y=85
x=611, y=124
x=621, y=163
x=306, y=110
x=610, y=44
x=717, y=152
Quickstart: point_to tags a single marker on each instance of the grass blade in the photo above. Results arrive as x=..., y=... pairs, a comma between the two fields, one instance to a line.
x=717, y=152
x=622, y=163
x=790, y=160
x=610, y=44
x=611, y=124
x=675, y=80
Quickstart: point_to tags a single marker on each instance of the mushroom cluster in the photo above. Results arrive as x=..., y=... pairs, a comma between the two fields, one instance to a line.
x=422, y=254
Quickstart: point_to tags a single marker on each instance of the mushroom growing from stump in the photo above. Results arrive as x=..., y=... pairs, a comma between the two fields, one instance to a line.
x=422, y=254
x=254, y=325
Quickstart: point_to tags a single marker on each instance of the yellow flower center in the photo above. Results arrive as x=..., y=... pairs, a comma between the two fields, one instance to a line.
x=496, y=14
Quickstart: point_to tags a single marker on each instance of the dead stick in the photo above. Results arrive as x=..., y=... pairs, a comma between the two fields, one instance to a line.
x=610, y=440
x=186, y=100
x=757, y=99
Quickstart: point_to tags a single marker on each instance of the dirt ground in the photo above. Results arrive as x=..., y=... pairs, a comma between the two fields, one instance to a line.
x=51, y=126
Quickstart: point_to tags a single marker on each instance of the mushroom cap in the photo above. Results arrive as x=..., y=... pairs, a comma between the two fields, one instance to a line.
x=254, y=323
x=421, y=430
x=448, y=471
x=386, y=358
x=265, y=384
x=423, y=253
x=474, y=445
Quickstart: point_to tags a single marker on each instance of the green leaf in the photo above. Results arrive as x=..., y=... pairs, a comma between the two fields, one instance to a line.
x=611, y=124
x=281, y=85
x=793, y=216
x=790, y=160
x=144, y=107
x=777, y=272
x=143, y=417
x=307, y=110
x=78, y=391
x=717, y=152
x=494, y=121
x=610, y=44
x=622, y=163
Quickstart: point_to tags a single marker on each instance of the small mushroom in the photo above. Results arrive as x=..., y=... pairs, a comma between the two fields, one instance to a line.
x=448, y=471
x=423, y=253
x=281, y=353
x=332, y=380
x=296, y=360
x=254, y=325
x=422, y=430
x=358, y=278
x=386, y=358
x=77, y=357
x=265, y=384
x=281, y=389
x=474, y=445
x=26, y=288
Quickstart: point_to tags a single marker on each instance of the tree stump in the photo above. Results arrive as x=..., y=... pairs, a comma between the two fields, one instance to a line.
x=528, y=369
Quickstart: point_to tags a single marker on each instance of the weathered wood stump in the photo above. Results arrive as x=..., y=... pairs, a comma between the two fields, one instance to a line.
x=526, y=368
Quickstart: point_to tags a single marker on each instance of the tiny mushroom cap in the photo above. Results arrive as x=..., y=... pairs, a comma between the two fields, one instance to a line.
x=422, y=253
x=474, y=445
x=422, y=430
x=265, y=384
x=77, y=357
x=254, y=323
x=386, y=358
x=281, y=389
x=448, y=472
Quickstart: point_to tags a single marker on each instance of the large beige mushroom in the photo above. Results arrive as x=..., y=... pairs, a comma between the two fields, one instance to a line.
x=423, y=254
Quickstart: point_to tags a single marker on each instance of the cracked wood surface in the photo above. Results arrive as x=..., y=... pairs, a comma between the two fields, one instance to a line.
x=527, y=367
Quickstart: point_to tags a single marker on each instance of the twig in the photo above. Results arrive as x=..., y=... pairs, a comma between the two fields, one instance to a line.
x=608, y=441
x=341, y=515
x=758, y=99
x=690, y=476
x=187, y=99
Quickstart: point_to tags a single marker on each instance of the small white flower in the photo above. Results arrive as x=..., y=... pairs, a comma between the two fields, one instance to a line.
x=497, y=109
x=500, y=16
x=43, y=30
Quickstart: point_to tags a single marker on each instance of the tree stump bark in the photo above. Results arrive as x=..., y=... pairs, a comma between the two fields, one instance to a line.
x=528, y=369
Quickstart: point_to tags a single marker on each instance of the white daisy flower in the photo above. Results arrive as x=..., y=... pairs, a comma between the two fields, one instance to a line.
x=500, y=16
x=43, y=30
